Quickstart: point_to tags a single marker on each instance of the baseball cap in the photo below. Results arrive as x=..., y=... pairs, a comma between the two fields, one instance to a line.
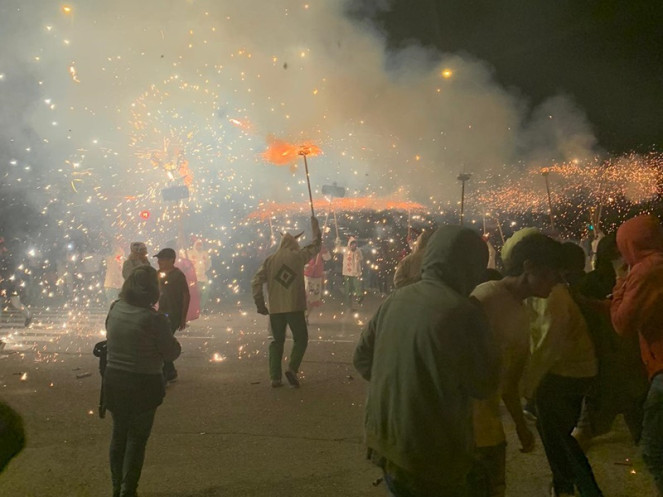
x=167, y=253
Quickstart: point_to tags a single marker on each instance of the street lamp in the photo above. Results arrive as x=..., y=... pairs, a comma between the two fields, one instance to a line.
x=463, y=177
x=545, y=173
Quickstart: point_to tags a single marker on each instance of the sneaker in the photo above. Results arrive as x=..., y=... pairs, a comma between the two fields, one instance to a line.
x=277, y=383
x=529, y=416
x=292, y=379
x=172, y=377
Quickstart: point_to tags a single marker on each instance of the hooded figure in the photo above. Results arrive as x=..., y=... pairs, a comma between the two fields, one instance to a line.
x=426, y=352
x=637, y=302
x=137, y=257
x=408, y=270
x=637, y=308
x=283, y=272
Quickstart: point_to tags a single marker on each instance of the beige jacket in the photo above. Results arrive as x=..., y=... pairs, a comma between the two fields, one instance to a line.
x=283, y=272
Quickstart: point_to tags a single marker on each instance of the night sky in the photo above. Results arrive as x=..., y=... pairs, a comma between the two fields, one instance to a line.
x=606, y=55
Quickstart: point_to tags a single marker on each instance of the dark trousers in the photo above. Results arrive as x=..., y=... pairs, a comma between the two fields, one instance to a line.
x=652, y=431
x=169, y=370
x=488, y=475
x=127, y=450
x=558, y=403
x=278, y=323
x=400, y=488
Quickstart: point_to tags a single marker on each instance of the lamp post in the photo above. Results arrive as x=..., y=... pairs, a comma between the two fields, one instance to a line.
x=463, y=178
x=545, y=173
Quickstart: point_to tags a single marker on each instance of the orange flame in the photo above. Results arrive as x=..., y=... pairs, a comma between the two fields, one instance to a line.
x=282, y=153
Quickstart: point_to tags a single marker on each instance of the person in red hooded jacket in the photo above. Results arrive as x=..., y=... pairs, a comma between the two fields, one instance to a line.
x=637, y=307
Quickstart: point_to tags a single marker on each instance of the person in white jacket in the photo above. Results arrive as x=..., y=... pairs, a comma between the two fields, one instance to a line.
x=352, y=273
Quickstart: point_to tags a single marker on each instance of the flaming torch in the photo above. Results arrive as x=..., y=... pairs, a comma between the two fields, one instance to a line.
x=283, y=153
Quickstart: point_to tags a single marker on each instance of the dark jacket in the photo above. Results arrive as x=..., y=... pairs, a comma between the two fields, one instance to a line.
x=427, y=351
x=139, y=341
x=173, y=287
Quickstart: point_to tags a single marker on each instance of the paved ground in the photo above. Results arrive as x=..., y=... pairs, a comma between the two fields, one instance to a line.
x=222, y=431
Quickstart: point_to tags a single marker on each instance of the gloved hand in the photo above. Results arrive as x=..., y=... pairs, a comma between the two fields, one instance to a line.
x=262, y=309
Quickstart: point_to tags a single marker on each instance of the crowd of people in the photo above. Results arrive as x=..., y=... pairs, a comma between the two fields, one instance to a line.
x=442, y=353
x=446, y=348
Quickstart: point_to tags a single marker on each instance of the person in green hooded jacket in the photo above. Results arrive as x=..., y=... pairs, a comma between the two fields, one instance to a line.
x=426, y=353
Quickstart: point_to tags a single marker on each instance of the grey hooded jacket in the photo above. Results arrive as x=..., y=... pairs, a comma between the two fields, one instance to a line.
x=427, y=351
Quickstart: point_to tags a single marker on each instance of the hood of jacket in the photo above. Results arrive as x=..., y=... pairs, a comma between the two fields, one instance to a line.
x=640, y=237
x=289, y=242
x=457, y=256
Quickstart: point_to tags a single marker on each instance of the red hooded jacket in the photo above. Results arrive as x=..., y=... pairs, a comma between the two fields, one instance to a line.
x=637, y=301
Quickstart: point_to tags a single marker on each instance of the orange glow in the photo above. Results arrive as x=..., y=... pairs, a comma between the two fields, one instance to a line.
x=283, y=153
x=270, y=209
x=447, y=73
x=67, y=9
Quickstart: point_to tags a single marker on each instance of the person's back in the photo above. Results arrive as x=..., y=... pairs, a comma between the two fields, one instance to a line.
x=134, y=339
x=283, y=272
x=427, y=350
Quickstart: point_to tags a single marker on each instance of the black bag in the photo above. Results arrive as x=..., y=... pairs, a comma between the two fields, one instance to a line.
x=101, y=351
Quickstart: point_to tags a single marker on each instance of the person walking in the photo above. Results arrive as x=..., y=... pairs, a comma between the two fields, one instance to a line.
x=139, y=341
x=352, y=273
x=621, y=385
x=283, y=272
x=173, y=299
x=532, y=270
x=561, y=371
x=426, y=352
x=637, y=309
x=137, y=257
x=314, y=275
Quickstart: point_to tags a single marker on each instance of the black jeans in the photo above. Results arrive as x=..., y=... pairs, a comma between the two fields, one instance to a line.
x=169, y=370
x=127, y=450
x=278, y=323
x=558, y=404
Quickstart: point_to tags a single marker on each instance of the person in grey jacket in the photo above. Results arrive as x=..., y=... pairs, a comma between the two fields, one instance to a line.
x=426, y=353
x=139, y=341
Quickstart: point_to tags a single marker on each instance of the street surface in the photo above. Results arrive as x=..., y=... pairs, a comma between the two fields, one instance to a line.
x=222, y=430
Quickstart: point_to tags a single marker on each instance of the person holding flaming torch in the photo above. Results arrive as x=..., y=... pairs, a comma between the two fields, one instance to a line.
x=283, y=272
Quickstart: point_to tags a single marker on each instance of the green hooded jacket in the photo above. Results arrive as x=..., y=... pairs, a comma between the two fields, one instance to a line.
x=427, y=351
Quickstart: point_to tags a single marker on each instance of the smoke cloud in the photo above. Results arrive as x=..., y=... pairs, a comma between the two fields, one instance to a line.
x=103, y=102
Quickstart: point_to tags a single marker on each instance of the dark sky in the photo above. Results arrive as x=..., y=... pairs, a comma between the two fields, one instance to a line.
x=605, y=54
